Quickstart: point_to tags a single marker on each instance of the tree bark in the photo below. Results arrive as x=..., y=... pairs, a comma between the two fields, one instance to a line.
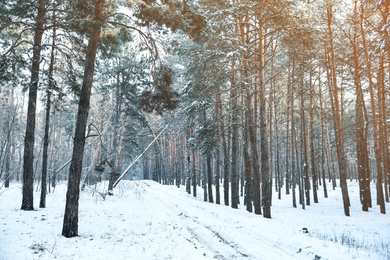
x=361, y=130
x=323, y=151
x=234, y=155
x=375, y=124
x=246, y=157
x=209, y=177
x=312, y=151
x=339, y=130
x=70, y=223
x=217, y=152
x=9, y=140
x=266, y=196
x=28, y=157
x=42, y=202
x=226, y=179
x=305, y=166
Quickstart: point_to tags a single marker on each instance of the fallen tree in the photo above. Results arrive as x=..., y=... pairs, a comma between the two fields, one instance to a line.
x=124, y=173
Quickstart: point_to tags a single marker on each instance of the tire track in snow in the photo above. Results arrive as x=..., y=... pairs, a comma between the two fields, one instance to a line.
x=217, y=232
x=201, y=235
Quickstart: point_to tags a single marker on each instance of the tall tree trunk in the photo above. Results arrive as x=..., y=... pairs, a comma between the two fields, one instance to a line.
x=204, y=178
x=305, y=166
x=322, y=138
x=218, y=151
x=386, y=15
x=70, y=224
x=375, y=124
x=338, y=128
x=383, y=127
x=246, y=157
x=9, y=140
x=361, y=137
x=293, y=172
x=311, y=132
x=42, y=202
x=188, y=157
x=194, y=177
x=255, y=160
x=384, y=146
x=209, y=177
x=114, y=171
x=226, y=179
x=266, y=196
x=28, y=158
x=288, y=135
x=234, y=155
x=302, y=155
x=217, y=177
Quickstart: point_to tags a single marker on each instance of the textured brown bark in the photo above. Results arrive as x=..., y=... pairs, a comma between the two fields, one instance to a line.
x=375, y=123
x=70, y=224
x=386, y=15
x=383, y=128
x=338, y=127
x=265, y=188
x=361, y=129
x=382, y=135
x=28, y=157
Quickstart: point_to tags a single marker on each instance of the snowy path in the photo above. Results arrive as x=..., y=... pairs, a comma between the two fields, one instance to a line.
x=146, y=220
x=216, y=231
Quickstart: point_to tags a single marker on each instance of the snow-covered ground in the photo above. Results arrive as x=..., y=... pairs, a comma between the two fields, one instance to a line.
x=146, y=220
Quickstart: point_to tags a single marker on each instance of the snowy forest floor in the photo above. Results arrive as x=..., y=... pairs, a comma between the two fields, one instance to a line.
x=146, y=220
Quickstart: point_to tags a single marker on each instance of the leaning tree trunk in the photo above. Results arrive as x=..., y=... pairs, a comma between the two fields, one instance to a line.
x=28, y=158
x=70, y=224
